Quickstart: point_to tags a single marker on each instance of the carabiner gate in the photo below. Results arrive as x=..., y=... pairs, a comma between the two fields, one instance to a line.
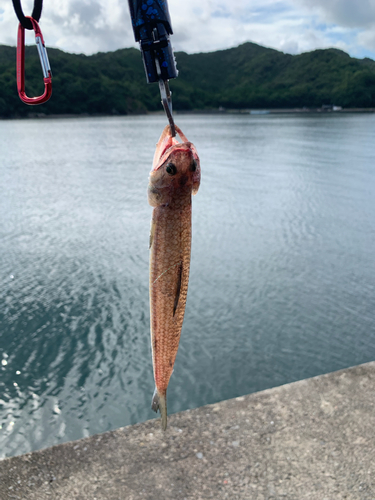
x=47, y=75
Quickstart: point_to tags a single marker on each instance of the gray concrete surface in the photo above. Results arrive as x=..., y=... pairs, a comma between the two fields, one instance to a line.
x=313, y=439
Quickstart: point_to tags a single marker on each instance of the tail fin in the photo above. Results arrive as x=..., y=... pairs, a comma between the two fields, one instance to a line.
x=159, y=402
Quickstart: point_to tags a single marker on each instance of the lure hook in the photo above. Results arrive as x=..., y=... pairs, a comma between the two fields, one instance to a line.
x=166, y=101
x=166, y=98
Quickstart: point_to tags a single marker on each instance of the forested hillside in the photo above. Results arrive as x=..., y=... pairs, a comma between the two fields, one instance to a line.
x=248, y=76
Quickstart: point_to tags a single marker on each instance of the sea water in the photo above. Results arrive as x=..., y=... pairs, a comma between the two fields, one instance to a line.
x=282, y=274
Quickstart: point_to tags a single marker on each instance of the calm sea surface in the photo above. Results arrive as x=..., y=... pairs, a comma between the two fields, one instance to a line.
x=282, y=278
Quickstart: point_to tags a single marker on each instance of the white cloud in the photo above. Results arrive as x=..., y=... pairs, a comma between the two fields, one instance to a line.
x=367, y=39
x=292, y=26
x=352, y=13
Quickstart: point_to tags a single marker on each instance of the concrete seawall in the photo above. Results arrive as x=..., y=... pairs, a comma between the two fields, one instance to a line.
x=313, y=439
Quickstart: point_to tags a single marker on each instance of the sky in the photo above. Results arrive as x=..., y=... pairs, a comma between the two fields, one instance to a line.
x=291, y=26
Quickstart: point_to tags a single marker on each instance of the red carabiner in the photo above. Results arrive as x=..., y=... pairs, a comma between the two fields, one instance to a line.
x=43, y=61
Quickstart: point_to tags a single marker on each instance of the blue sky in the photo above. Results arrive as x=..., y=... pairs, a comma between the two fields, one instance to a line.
x=292, y=26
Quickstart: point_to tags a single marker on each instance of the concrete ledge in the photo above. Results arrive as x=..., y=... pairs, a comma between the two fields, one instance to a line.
x=313, y=439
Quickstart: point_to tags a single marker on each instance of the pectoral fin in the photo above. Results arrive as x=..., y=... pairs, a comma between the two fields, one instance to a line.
x=178, y=288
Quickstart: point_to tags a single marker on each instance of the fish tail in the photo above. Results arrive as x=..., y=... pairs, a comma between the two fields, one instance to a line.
x=159, y=402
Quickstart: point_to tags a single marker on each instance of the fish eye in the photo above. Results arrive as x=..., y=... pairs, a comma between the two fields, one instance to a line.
x=193, y=166
x=171, y=168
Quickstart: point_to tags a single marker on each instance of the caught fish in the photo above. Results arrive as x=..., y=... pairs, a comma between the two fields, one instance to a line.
x=174, y=177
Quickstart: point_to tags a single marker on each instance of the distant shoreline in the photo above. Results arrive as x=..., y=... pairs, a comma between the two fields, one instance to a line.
x=277, y=111
x=202, y=112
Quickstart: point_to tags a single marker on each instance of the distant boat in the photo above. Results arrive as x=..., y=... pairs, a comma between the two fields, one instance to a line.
x=259, y=111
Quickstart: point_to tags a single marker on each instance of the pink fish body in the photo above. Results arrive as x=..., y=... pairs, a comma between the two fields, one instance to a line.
x=175, y=176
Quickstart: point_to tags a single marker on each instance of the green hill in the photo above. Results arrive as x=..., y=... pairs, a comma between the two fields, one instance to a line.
x=248, y=76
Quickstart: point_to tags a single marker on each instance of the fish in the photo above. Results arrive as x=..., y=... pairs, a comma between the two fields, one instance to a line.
x=174, y=177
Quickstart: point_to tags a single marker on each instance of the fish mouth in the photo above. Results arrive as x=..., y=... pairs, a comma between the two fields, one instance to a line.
x=182, y=148
x=167, y=144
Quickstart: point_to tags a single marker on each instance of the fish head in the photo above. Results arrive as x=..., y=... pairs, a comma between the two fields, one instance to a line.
x=176, y=168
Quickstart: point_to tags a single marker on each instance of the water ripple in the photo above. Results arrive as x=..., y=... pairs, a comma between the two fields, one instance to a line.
x=282, y=275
